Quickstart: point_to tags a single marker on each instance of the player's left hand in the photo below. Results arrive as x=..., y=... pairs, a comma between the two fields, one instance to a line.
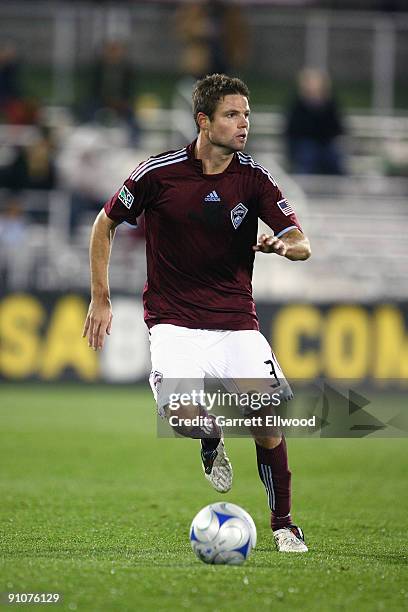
x=270, y=244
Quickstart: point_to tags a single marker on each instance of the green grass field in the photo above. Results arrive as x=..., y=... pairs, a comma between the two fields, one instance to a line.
x=95, y=507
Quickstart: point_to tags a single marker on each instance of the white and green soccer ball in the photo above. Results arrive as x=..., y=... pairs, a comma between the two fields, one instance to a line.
x=223, y=534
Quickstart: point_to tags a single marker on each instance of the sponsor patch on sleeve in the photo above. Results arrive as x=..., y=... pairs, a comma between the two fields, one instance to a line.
x=126, y=197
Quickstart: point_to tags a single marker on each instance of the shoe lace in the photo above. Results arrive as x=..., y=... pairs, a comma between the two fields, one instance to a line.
x=288, y=537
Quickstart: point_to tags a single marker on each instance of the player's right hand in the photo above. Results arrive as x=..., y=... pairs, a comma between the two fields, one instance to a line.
x=98, y=323
x=269, y=243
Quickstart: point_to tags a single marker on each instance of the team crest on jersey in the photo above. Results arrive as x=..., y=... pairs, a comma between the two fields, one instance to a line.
x=126, y=197
x=237, y=214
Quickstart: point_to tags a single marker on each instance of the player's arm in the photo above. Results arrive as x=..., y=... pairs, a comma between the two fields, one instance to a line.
x=99, y=318
x=293, y=245
x=297, y=245
x=126, y=205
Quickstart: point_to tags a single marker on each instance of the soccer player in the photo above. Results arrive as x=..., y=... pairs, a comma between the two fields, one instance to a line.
x=201, y=206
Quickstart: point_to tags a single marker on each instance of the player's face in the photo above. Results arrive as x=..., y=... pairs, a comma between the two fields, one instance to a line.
x=230, y=124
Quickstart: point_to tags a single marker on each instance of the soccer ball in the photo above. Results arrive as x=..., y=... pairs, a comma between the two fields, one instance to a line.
x=223, y=534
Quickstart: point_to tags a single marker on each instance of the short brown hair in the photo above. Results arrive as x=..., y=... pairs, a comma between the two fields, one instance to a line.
x=211, y=89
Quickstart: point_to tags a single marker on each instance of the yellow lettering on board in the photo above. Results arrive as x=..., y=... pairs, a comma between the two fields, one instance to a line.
x=346, y=342
x=290, y=325
x=64, y=346
x=20, y=319
x=390, y=360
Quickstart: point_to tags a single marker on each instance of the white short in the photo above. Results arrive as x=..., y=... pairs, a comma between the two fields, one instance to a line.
x=180, y=355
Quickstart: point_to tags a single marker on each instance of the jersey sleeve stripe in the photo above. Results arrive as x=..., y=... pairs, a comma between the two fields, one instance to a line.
x=159, y=158
x=248, y=161
x=287, y=229
x=137, y=176
x=163, y=156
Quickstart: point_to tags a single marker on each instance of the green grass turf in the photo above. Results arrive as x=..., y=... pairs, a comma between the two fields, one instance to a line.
x=95, y=507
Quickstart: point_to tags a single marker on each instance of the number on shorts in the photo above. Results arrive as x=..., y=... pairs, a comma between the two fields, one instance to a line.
x=273, y=372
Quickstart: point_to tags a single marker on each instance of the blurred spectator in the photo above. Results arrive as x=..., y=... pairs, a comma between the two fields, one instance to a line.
x=395, y=158
x=112, y=87
x=40, y=160
x=313, y=125
x=13, y=224
x=214, y=35
x=32, y=166
x=14, y=107
x=9, y=77
x=14, y=254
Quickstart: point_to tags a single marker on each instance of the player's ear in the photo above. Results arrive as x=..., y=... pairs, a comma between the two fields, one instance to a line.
x=203, y=121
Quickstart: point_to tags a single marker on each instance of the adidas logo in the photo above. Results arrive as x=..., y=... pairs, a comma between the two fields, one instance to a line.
x=212, y=197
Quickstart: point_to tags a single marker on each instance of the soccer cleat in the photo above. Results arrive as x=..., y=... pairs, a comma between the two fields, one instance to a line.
x=217, y=468
x=290, y=539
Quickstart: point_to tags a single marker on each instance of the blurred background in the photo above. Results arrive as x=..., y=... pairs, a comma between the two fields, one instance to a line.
x=89, y=89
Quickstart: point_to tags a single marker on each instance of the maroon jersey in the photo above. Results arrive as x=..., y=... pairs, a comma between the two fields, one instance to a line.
x=200, y=229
